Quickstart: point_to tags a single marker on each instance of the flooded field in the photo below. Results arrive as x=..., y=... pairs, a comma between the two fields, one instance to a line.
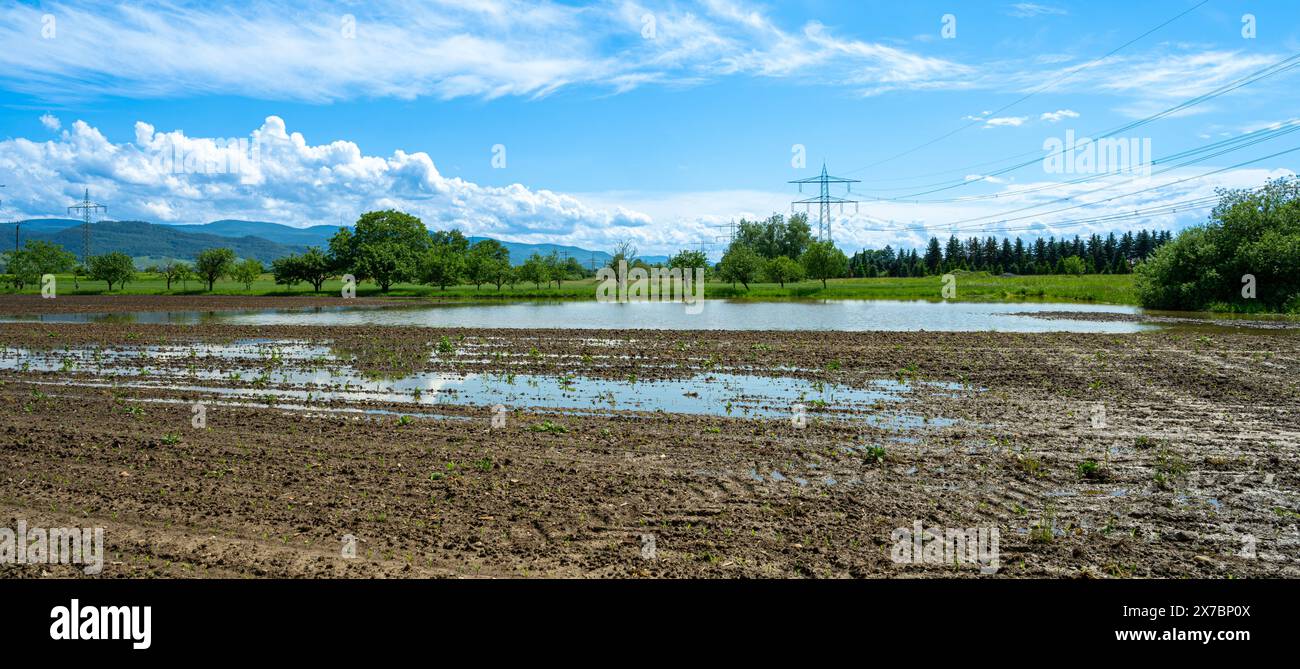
x=235, y=445
x=318, y=377
x=842, y=315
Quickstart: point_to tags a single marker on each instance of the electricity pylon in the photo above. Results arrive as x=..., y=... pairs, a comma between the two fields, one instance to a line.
x=87, y=208
x=824, y=200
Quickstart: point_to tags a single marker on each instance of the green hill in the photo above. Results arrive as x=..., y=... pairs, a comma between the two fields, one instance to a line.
x=137, y=238
x=262, y=240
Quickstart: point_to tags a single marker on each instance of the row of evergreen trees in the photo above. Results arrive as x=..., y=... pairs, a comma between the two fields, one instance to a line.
x=1098, y=255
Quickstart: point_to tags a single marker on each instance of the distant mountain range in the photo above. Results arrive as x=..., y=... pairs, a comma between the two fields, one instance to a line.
x=249, y=239
x=146, y=242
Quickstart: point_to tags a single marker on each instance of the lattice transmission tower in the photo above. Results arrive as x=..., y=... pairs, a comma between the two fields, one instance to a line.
x=824, y=200
x=87, y=209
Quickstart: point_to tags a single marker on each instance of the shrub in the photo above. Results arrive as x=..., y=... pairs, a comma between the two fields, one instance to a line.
x=1250, y=232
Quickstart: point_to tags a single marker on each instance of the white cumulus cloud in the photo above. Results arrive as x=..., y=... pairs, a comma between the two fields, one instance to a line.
x=1053, y=117
x=277, y=175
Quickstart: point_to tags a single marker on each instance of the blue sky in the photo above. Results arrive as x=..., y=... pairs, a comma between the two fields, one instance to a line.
x=648, y=121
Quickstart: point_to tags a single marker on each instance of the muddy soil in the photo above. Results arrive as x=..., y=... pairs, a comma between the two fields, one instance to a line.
x=1161, y=454
x=29, y=305
x=1268, y=322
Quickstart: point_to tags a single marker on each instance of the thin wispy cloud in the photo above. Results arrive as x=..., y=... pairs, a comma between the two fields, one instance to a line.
x=997, y=121
x=449, y=49
x=318, y=53
x=1024, y=10
x=1058, y=115
x=1147, y=82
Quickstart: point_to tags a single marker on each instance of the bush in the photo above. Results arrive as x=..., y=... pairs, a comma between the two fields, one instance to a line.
x=1073, y=265
x=1250, y=232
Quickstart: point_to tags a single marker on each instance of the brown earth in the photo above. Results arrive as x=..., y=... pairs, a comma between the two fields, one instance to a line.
x=27, y=305
x=1197, y=458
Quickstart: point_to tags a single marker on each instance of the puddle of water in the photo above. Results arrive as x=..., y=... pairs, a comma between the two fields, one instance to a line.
x=843, y=315
x=1199, y=501
x=299, y=373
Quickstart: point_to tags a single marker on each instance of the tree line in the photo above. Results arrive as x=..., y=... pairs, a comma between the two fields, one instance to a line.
x=25, y=266
x=390, y=247
x=1094, y=255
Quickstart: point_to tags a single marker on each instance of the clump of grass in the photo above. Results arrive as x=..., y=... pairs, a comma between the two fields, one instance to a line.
x=1029, y=464
x=445, y=347
x=548, y=426
x=404, y=420
x=1043, y=532
x=1170, y=468
x=1144, y=442
x=1092, y=470
x=875, y=454
x=484, y=465
x=171, y=439
x=438, y=476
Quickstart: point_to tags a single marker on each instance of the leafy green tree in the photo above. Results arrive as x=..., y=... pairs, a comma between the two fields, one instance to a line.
x=572, y=269
x=314, y=266
x=453, y=239
x=776, y=236
x=556, y=270
x=782, y=269
x=286, y=270
x=170, y=271
x=112, y=268
x=687, y=260
x=484, y=261
x=444, y=262
x=212, y=264
x=740, y=264
x=386, y=247
x=442, y=266
x=185, y=273
x=36, y=259
x=535, y=270
x=247, y=272
x=823, y=261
